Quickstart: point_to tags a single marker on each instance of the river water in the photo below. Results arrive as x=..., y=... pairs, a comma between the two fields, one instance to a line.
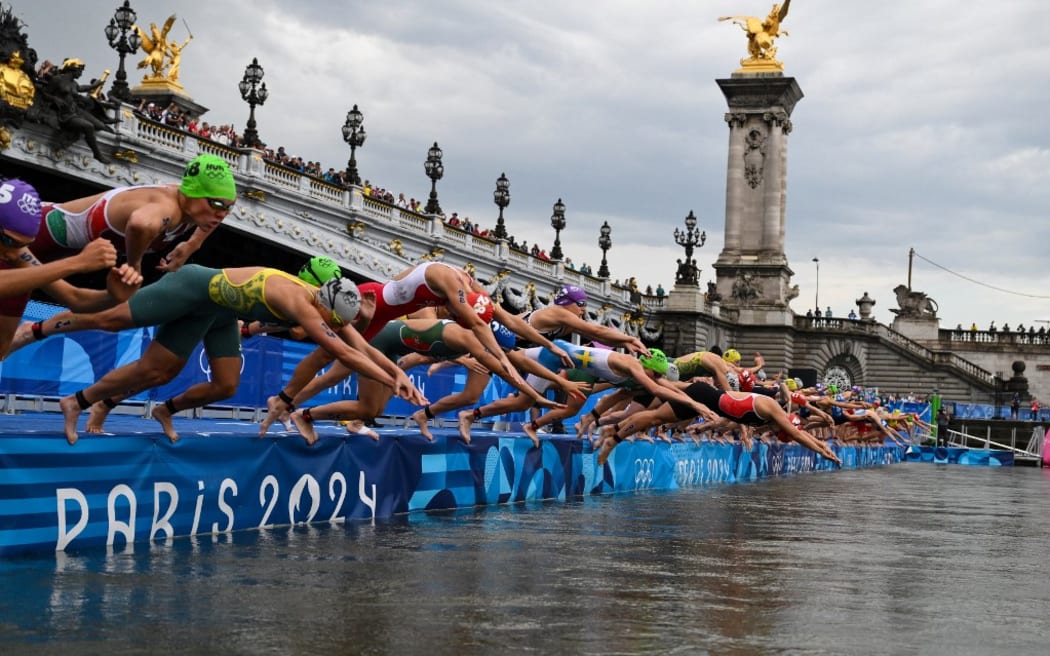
x=913, y=558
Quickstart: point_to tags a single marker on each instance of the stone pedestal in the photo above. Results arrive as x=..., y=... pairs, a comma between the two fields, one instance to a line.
x=685, y=298
x=920, y=329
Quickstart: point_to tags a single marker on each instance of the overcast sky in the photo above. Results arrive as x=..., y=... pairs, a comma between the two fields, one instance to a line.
x=923, y=124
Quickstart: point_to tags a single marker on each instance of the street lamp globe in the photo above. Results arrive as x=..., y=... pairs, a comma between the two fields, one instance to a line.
x=558, y=223
x=354, y=135
x=604, y=243
x=254, y=94
x=501, y=197
x=117, y=33
x=435, y=170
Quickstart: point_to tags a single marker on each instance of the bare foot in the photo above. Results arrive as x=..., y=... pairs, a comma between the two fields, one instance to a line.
x=23, y=336
x=70, y=412
x=275, y=407
x=306, y=428
x=163, y=416
x=97, y=417
x=358, y=427
x=608, y=444
x=466, y=418
x=286, y=421
x=421, y=420
x=643, y=436
x=530, y=432
x=747, y=442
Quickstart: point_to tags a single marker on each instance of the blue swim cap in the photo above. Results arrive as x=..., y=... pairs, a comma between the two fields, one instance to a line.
x=504, y=336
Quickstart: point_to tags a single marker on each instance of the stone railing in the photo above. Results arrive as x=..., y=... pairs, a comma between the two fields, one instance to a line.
x=943, y=358
x=371, y=238
x=948, y=336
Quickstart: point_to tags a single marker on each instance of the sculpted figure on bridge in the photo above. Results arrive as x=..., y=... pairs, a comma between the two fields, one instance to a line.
x=913, y=304
x=161, y=53
x=17, y=73
x=761, y=33
x=67, y=106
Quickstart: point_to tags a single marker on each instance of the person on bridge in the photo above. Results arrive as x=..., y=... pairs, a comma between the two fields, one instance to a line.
x=197, y=304
x=414, y=293
x=143, y=219
x=21, y=272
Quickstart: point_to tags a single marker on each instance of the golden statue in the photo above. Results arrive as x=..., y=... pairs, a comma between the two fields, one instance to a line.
x=175, y=58
x=16, y=87
x=155, y=45
x=163, y=56
x=760, y=36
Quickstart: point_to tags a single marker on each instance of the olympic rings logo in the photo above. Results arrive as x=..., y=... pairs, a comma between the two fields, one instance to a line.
x=205, y=364
x=643, y=476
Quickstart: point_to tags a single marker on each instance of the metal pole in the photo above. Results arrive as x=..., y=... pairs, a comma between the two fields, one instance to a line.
x=911, y=258
x=816, y=298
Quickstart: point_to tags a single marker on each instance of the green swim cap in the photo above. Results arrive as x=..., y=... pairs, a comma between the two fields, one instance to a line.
x=208, y=176
x=657, y=361
x=319, y=270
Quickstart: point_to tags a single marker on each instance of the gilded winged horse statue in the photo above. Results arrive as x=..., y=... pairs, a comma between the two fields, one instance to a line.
x=761, y=33
x=156, y=47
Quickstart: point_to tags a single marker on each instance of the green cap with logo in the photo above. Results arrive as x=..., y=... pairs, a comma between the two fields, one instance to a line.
x=319, y=270
x=656, y=360
x=208, y=176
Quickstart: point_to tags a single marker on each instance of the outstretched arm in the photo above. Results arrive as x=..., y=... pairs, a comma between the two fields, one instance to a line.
x=520, y=327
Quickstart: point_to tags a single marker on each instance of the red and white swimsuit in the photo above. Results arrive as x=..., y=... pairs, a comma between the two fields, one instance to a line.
x=397, y=298
x=63, y=231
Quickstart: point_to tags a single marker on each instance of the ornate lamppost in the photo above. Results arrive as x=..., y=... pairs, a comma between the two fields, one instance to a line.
x=435, y=170
x=502, y=198
x=558, y=223
x=354, y=134
x=688, y=273
x=119, y=39
x=254, y=94
x=604, y=243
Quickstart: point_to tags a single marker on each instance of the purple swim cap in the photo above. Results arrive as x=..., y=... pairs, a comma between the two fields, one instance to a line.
x=19, y=208
x=569, y=295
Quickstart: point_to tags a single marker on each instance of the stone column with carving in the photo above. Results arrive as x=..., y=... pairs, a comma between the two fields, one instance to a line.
x=752, y=272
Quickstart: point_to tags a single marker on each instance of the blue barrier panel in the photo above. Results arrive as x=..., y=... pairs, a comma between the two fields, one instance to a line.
x=220, y=477
x=62, y=364
x=959, y=456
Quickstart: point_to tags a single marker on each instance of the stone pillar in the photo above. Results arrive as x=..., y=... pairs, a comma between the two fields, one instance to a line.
x=735, y=176
x=752, y=271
